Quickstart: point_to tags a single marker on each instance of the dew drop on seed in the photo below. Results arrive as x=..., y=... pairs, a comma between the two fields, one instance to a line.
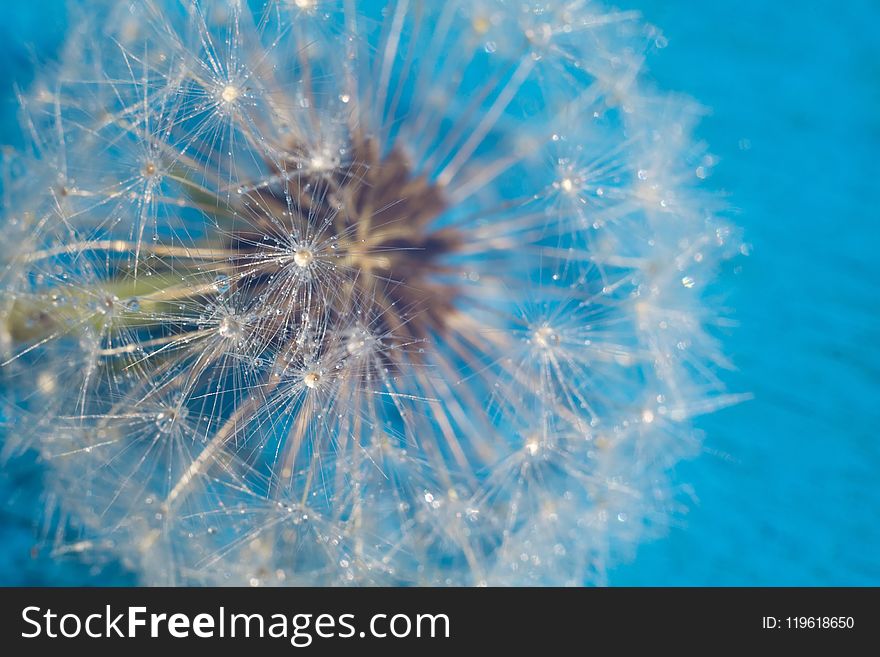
x=221, y=283
x=303, y=258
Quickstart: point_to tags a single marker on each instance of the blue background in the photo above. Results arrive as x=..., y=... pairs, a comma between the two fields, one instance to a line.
x=787, y=489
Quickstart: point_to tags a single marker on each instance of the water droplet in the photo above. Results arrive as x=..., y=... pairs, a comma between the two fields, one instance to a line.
x=221, y=283
x=303, y=258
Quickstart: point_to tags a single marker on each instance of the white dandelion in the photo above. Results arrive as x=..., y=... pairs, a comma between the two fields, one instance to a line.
x=326, y=292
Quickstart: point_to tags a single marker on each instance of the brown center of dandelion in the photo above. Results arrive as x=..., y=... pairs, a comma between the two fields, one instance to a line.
x=356, y=237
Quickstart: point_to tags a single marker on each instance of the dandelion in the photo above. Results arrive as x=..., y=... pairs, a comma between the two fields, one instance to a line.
x=325, y=292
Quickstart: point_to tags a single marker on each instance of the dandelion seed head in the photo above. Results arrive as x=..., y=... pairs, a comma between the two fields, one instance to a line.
x=354, y=301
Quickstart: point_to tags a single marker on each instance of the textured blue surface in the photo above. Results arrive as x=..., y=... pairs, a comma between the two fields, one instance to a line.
x=787, y=491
